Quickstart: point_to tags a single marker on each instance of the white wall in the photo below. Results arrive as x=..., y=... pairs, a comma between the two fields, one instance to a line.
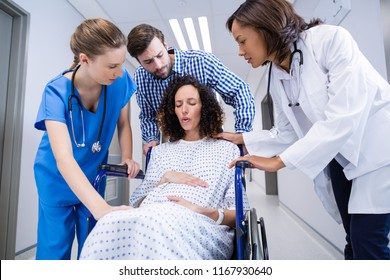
x=365, y=24
x=385, y=11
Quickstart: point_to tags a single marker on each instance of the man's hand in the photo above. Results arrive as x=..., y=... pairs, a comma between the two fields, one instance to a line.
x=235, y=138
x=149, y=145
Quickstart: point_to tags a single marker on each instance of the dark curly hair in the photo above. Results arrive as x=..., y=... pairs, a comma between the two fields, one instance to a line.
x=211, y=119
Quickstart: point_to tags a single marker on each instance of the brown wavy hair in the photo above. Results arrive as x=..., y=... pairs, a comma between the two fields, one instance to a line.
x=93, y=37
x=212, y=115
x=276, y=20
x=139, y=38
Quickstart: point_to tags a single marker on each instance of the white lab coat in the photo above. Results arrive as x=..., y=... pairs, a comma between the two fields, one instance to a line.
x=348, y=103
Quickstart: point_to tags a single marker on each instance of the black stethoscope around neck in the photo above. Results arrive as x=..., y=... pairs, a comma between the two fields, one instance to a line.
x=274, y=131
x=96, y=147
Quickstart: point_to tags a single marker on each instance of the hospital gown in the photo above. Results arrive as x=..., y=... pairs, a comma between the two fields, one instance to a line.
x=162, y=229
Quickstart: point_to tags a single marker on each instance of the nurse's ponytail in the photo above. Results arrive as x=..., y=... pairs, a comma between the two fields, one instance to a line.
x=76, y=61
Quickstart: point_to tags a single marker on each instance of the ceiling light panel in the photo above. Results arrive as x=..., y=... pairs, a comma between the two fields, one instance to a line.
x=204, y=29
x=189, y=24
x=191, y=32
x=178, y=34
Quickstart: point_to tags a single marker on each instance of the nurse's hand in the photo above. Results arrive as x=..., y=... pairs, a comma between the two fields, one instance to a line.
x=121, y=207
x=132, y=168
x=235, y=138
x=262, y=163
x=108, y=209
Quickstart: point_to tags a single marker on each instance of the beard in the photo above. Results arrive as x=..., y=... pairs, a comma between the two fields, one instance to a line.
x=168, y=68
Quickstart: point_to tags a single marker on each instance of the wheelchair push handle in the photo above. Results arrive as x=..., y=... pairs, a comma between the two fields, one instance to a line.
x=119, y=170
x=243, y=164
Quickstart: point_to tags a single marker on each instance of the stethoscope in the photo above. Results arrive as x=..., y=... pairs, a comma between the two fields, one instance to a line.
x=96, y=147
x=274, y=131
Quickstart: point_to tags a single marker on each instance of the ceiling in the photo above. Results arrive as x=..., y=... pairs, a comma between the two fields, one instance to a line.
x=126, y=14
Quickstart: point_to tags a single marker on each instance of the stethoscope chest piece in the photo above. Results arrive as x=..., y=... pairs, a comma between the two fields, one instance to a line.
x=96, y=147
x=273, y=132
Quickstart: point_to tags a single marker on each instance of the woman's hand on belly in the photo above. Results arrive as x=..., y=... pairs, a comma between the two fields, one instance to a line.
x=182, y=178
x=211, y=213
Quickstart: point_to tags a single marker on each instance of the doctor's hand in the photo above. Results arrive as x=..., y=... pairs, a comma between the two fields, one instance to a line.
x=261, y=163
x=182, y=178
x=235, y=138
x=132, y=168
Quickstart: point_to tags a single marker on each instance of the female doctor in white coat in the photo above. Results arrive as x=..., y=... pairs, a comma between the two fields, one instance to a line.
x=332, y=117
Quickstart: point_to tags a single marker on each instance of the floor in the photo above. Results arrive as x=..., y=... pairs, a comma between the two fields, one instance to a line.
x=288, y=238
x=30, y=254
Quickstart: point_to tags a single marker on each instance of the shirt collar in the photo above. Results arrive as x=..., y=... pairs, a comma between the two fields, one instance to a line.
x=177, y=66
x=280, y=73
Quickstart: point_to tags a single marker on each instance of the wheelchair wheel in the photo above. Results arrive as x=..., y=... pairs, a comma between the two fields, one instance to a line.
x=264, y=239
x=255, y=249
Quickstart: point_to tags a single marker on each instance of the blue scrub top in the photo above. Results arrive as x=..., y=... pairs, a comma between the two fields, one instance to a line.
x=52, y=188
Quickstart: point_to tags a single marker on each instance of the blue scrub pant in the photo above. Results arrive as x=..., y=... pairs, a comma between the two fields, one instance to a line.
x=57, y=227
x=366, y=234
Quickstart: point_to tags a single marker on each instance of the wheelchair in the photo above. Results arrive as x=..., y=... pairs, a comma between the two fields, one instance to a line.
x=250, y=234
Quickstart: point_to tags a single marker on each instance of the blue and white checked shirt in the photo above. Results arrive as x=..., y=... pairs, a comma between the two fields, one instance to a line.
x=209, y=70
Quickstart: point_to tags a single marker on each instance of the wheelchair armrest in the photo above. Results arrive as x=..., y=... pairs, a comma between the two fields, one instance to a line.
x=117, y=170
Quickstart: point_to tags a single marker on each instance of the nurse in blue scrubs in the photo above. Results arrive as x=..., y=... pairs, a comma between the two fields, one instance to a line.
x=79, y=112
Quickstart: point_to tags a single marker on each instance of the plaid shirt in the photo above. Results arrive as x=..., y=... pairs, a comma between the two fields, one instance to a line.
x=209, y=70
